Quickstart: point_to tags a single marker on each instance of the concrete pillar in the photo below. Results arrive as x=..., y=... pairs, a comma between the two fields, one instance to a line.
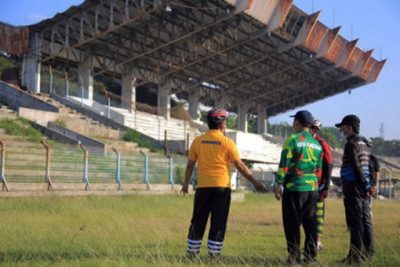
x=164, y=101
x=194, y=101
x=242, y=117
x=31, y=74
x=128, y=92
x=85, y=79
x=262, y=119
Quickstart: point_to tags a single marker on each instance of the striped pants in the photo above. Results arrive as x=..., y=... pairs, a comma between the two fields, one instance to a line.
x=320, y=212
x=215, y=201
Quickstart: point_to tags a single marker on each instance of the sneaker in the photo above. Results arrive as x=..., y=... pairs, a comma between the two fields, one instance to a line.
x=319, y=245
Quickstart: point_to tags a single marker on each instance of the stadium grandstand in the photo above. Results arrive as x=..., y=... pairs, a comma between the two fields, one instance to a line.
x=251, y=57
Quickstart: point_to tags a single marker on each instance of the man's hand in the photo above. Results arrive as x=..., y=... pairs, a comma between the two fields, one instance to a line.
x=278, y=191
x=323, y=193
x=372, y=192
x=185, y=189
x=260, y=186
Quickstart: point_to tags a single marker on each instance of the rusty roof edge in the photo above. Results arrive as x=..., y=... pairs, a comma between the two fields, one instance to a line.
x=377, y=70
x=338, y=28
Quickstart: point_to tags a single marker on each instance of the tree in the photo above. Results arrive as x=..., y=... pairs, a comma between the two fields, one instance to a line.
x=231, y=122
x=332, y=136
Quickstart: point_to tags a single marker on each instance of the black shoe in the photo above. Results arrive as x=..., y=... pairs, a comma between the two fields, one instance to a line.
x=369, y=255
x=309, y=261
x=293, y=261
x=192, y=255
x=350, y=260
x=214, y=255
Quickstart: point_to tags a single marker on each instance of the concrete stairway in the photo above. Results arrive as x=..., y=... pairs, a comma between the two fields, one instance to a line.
x=85, y=125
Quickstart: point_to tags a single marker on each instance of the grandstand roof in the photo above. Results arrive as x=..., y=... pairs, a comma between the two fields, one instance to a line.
x=247, y=51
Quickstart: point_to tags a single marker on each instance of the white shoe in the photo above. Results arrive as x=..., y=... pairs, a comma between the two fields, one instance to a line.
x=319, y=245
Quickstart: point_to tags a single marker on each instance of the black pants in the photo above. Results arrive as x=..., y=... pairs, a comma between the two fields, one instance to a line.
x=214, y=200
x=299, y=208
x=358, y=218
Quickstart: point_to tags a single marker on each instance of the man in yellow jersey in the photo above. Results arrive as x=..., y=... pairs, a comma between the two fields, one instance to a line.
x=214, y=152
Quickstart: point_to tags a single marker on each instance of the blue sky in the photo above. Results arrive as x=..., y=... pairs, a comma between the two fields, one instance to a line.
x=375, y=22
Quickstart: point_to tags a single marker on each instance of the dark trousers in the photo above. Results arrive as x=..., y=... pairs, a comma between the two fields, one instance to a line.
x=299, y=208
x=358, y=218
x=214, y=200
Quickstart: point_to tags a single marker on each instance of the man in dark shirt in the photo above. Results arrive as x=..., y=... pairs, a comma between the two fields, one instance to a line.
x=357, y=188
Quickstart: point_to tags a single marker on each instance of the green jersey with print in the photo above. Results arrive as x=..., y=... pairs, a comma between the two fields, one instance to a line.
x=301, y=163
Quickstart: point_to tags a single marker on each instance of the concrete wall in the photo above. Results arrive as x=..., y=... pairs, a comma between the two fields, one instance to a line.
x=16, y=98
x=38, y=116
x=91, y=144
x=54, y=135
x=254, y=147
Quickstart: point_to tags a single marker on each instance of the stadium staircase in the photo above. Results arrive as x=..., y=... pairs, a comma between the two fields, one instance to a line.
x=25, y=161
x=151, y=126
x=87, y=126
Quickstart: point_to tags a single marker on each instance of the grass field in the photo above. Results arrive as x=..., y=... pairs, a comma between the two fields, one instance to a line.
x=137, y=230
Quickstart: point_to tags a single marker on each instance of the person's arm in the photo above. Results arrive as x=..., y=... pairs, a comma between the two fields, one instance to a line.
x=188, y=173
x=327, y=165
x=242, y=168
x=286, y=157
x=192, y=158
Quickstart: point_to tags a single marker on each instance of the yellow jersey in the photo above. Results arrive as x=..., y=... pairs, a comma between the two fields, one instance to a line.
x=214, y=152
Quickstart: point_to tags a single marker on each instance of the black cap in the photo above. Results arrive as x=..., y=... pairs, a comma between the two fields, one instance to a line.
x=304, y=117
x=349, y=120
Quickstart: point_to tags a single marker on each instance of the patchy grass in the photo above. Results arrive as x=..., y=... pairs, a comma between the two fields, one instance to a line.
x=139, y=230
x=136, y=137
x=20, y=127
x=61, y=122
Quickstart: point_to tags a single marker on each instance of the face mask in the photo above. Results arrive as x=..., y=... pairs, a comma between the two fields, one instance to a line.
x=344, y=131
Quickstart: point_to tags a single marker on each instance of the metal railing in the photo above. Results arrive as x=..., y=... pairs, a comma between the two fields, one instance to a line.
x=53, y=163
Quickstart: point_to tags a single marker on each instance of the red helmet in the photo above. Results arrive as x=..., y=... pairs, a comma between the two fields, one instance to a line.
x=217, y=115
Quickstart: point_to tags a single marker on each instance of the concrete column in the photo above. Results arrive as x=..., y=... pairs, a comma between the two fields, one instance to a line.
x=242, y=117
x=85, y=78
x=128, y=92
x=219, y=102
x=262, y=119
x=164, y=101
x=194, y=101
x=31, y=75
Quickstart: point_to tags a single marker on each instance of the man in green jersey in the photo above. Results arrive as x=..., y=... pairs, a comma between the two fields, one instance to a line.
x=297, y=183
